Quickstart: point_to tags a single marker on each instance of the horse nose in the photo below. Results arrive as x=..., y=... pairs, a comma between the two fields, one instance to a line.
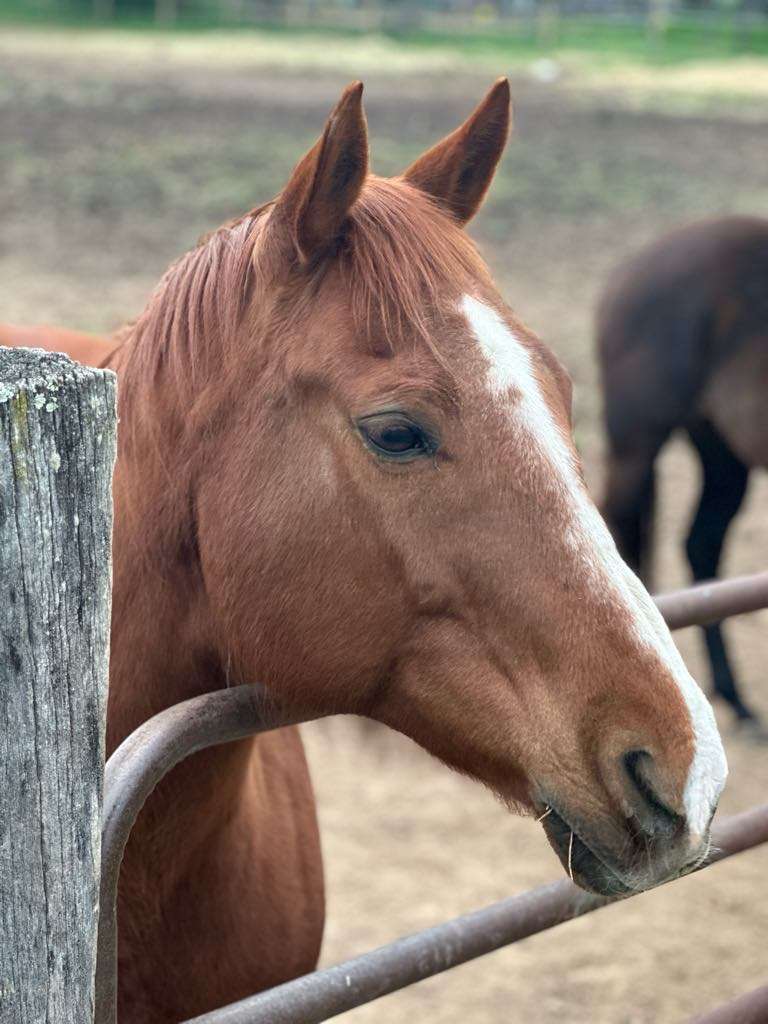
x=648, y=797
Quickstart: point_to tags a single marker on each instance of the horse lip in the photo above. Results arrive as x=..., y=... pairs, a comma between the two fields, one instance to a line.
x=592, y=871
x=586, y=868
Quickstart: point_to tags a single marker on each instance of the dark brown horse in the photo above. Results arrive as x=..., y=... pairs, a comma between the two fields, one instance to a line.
x=682, y=336
x=346, y=471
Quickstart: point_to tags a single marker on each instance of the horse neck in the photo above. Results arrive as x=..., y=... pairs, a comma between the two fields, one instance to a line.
x=162, y=653
x=162, y=650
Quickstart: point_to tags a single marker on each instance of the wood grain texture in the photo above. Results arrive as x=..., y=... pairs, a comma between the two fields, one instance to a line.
x=57, y=450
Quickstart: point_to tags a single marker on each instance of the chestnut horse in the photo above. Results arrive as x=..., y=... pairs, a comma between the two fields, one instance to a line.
x=346, y=471
x=682, y=338
x=85, y=348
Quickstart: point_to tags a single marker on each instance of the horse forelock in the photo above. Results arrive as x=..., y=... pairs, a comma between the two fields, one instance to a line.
x=398, y=253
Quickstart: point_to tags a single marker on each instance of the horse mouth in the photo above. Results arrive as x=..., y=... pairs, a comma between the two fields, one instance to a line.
x=583, y=865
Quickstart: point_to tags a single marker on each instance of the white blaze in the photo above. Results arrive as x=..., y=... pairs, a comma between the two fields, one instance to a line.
x=510, y=370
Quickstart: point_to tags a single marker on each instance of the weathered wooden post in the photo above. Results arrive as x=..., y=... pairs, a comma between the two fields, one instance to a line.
x=57, y=448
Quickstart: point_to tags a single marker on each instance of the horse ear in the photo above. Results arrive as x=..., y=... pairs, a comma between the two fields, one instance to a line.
x=458, y=171
x=327, y=180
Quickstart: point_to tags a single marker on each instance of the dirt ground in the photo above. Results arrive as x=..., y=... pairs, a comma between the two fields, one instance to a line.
x=114, y=161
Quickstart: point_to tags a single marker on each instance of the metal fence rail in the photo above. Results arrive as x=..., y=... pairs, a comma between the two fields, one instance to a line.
x=148, y=754
x=751, y=1008
x=711, y=602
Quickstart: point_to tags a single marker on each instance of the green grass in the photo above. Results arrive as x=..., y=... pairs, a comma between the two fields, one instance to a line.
x=684, y=40
x=687, y=38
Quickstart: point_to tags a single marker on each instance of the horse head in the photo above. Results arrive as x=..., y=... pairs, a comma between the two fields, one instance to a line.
x=389, y=513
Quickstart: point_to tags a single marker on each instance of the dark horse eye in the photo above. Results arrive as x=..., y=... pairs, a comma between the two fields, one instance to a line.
x=395, y=436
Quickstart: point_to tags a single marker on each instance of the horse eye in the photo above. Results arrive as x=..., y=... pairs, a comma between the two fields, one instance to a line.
x=395, y=436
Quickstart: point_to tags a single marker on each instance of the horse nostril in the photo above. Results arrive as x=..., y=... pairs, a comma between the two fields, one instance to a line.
x=654, y=816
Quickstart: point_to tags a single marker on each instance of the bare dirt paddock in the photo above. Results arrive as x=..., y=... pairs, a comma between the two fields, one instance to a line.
x=117, y=153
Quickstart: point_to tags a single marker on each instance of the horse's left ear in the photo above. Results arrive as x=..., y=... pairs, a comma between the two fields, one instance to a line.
x=327, y=181
x=458, y=171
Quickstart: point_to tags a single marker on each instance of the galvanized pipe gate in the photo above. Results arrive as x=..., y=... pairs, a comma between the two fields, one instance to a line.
x=149, y=753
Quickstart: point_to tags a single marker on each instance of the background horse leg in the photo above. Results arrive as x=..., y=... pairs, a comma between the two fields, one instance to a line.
x=628, y=507
x=723, y=489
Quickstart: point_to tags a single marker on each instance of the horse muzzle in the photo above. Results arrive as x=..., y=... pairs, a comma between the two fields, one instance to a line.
x=643, y=859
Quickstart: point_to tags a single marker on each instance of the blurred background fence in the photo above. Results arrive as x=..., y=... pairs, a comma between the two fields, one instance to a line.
x=661, y=27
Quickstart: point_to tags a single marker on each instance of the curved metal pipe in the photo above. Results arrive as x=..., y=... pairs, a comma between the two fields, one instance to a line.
x=133, y=771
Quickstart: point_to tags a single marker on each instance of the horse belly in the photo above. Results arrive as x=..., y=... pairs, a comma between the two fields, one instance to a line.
x=734, y=400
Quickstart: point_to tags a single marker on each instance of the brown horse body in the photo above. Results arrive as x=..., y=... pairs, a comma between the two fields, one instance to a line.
x=682, y=340
x=88, y=349
x=346, y=471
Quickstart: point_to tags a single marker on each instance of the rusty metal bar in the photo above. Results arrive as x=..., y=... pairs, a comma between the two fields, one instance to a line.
x=750, y=1008
x=711, y=602
x=318, y=997
x=133, y=771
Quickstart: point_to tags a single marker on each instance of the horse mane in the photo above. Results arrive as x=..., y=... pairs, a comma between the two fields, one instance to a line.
x=398, y=251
